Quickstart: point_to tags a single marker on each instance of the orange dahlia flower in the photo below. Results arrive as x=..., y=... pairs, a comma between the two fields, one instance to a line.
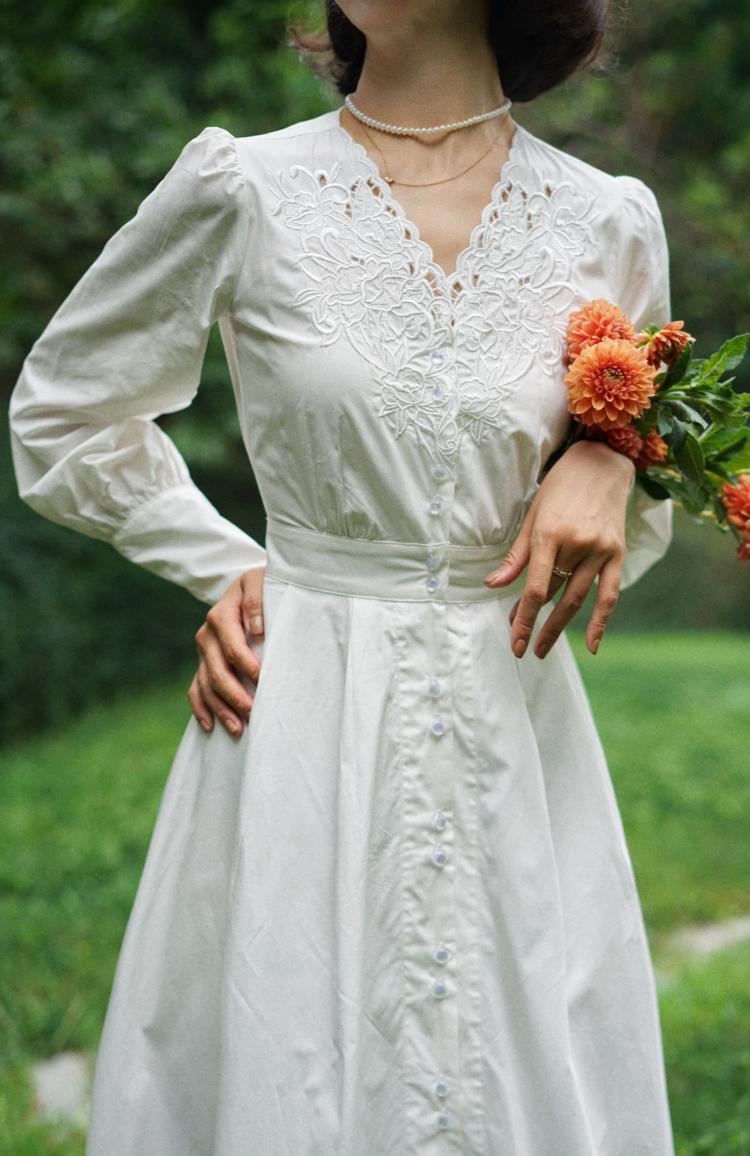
x=667, y=344
x=653, y=450
x=610, y=384
x=593, y=322
x=626, y=440
x=735, y=497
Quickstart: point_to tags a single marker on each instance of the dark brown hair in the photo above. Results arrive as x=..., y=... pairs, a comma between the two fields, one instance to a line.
x=538, y=44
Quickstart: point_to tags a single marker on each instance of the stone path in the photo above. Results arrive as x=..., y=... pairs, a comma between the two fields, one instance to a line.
x=702, y=939
x=697, y=941
x=62, y=1087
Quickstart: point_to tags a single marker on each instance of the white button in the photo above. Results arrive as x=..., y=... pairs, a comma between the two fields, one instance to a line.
x=436, y=505
x=434, y=688
x=441, y=953
x=440, y=1088
x=438, y=727
x=444, y=1120
x=431, y=583
x=438, y=392
x=440, y=988
x=439, y=855
x=440, y=472
x=432, y=561
x=439, y=821
x=437, y=355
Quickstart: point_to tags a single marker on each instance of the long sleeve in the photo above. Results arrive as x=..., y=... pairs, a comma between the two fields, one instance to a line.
x=125, y=346
x=643, y=277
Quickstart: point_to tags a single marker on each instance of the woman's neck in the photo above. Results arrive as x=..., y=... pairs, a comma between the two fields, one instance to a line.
x=424, y=72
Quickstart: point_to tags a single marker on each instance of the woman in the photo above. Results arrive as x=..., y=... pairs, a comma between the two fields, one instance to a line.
x=395, y=914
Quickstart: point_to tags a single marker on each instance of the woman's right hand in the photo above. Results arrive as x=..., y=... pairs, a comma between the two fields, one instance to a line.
x=225, y=654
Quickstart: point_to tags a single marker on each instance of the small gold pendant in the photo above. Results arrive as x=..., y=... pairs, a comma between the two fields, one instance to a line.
x=389, y=180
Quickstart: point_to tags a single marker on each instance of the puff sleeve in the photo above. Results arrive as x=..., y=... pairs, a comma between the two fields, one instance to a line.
x=126, y=346
x=642, y=276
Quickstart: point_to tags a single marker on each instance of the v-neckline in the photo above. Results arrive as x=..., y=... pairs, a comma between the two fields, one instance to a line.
x=450, y=284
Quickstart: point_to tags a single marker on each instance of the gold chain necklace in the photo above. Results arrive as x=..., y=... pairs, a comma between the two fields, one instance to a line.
x=425, y=184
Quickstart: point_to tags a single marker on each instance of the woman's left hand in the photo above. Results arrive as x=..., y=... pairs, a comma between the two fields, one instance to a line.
x=576, y=522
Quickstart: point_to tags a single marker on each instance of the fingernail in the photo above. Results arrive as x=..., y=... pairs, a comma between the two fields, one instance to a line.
x=519, y=646
x=499, y=573
x=595, y=647
x=256, y=624
x=234, y=727
x=206, y=725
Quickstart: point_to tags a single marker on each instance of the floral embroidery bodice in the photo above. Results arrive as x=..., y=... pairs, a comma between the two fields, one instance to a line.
x=378, y=397
x=388, y=367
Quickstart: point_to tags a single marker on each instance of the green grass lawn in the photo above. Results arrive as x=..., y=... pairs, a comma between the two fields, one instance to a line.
x=78, y=807
x=674, y=715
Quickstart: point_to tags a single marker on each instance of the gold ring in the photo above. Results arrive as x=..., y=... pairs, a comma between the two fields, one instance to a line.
x=561, y=573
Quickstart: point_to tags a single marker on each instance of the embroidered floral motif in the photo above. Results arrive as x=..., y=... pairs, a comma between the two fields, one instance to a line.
x=447, y=350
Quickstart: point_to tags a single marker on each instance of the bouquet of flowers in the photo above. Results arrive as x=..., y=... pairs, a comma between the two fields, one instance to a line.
x=675, y=415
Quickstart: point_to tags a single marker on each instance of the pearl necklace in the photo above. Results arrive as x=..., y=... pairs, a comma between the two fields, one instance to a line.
x=400, y=130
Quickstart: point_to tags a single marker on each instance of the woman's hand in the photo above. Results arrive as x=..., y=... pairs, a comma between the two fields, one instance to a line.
x=225, y=653
x=575, y=522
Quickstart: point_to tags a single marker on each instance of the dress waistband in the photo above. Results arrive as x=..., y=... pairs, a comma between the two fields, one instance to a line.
x=404, y=571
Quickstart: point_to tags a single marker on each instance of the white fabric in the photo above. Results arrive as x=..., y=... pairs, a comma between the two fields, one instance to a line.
x=410, y=803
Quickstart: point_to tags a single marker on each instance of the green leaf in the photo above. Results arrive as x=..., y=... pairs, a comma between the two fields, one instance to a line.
x=688, y=412
x=664, y=421
x=678, y=368
x=735, y=350
x=728, y=356
x=719, y=509
x=719, y=437
x=690, y=458
x=678, y=435
x=730, y=446
x=653, y=488
x=739, y=463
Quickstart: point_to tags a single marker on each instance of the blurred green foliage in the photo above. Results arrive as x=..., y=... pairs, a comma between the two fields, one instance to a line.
x=97, y=100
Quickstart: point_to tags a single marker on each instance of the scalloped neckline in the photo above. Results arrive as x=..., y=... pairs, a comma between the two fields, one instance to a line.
x=450, y=284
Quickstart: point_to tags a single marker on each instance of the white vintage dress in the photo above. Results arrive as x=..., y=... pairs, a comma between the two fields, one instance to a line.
x=398, y=916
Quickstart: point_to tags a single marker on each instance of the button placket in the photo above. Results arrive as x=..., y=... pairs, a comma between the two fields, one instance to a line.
x=439, y=988
x=439, y=472
x=432, y=902
x=439, y=855
x=441, y=954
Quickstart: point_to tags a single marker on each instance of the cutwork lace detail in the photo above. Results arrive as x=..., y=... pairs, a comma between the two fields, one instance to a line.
x=447, y=350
